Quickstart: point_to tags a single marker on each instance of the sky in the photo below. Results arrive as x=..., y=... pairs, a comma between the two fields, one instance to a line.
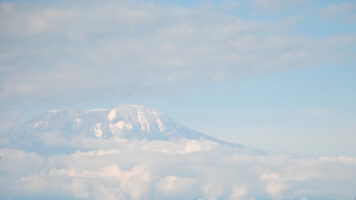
x=270, y=74
x=273, y=75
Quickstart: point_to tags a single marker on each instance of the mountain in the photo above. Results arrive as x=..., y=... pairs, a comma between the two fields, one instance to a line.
x=129, y=122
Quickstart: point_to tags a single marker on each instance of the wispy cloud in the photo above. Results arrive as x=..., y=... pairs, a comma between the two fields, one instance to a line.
x=341, y=12
x=271, y=6
x=66, y=50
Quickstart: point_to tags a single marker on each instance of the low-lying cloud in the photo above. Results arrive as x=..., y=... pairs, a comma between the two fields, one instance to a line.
x=170, y=170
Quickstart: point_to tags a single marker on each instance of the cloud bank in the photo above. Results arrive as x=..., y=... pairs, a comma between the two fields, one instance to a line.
x=173, y=170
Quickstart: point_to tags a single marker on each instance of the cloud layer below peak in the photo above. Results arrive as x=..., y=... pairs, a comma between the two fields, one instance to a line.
x=143, y=169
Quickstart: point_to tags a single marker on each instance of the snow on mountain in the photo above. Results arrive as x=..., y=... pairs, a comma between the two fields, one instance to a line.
x=123, y=121
x=58, y=128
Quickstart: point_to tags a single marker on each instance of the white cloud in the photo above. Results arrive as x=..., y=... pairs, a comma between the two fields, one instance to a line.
x=129, y=171
x=274, y=188
x=238, y=193
x=268, y=176
x=79, y=188
x=34, y=184
x=173, y=185
x=212, y=191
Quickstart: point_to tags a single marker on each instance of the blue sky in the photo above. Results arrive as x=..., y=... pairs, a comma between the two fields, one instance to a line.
x=270, y=74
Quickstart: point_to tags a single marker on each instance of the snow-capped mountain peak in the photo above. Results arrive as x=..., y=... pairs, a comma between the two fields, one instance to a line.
x=123, y=122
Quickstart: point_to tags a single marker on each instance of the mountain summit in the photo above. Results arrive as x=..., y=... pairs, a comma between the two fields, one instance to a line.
x=58, y=128
x=123, y=121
